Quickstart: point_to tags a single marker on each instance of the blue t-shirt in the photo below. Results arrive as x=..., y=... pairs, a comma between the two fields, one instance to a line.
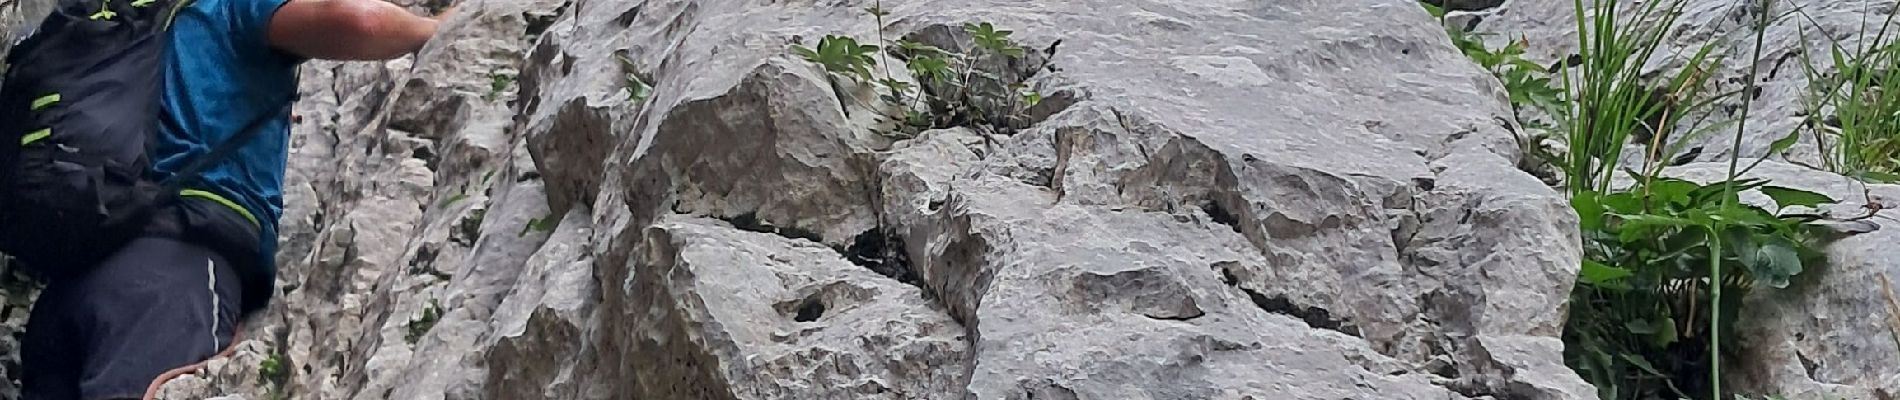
x=223, y=76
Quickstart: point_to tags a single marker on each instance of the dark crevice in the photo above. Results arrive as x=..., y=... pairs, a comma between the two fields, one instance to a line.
x=427, y=155
x=1572, y=61
x=424, y=262
x=750, y=222
x=1220, y=215
x=1466, y=5
x=625, y=19
x=1475, y=388
x=1808, y=365
x=1196, y=313
x=469, y=229
x=877, y=250
x=884, y=254
x=1314, y=317
x=539, y=23
x=1050, y=106
x=1660, y=105
x=810, y=310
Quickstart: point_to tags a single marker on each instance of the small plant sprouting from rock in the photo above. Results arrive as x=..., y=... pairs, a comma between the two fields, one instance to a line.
x=457, y=198
x=539, y=224
x=498, y=84
x=1526, y=82
x=272, y=372
x=974, y=88
x=469, y=228
x=637, y=88
x=421, y=325
x=841, y=55
x=1530, y=89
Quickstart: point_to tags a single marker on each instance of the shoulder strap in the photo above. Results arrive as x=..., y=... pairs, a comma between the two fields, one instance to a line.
x=223, y=150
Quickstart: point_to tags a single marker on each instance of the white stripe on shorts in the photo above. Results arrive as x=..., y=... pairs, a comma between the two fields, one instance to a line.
x=211, y=271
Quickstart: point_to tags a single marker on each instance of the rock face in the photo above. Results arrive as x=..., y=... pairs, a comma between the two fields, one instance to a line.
x=1220, y=199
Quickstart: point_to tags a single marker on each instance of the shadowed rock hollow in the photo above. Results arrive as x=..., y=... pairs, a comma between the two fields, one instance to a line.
x=1220, y=200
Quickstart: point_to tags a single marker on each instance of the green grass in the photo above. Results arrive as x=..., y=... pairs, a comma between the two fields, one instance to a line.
x=1611, y=104
x=1853, y=105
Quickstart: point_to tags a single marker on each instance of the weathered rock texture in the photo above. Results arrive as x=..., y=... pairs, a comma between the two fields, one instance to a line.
x=1220, y=199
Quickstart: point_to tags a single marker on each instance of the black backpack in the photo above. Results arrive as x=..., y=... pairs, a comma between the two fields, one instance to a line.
x=79, y=109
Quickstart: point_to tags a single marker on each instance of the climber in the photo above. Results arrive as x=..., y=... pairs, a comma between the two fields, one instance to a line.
x=172, y=298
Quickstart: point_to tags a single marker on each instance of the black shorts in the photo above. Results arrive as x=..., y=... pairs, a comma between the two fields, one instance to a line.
x=159, y=303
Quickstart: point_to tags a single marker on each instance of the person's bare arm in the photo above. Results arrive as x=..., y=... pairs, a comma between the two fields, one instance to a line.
x=348, y=29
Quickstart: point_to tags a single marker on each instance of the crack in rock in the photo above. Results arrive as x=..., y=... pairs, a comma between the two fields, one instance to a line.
x=1315, y=317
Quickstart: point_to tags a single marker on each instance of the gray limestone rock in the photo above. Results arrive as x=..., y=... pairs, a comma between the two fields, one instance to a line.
x=1218, y=199
x=708, y=311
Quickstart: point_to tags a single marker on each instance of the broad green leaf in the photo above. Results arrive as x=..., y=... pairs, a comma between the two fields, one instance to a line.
x=1745, y=216
x=1674, y=191
x=1012, y=51
x=1622, y=203
x=1777, y=262
x=1665, y=333
x=1643, y=364
x=1597, y=274
x=805, y=52
x=1714, y=193
x=1638, y=220
x=1589, y=209
x=1640, y=327
x=1435, y=11
x=913, y=47
x=1789, y=197
x=1743, y=244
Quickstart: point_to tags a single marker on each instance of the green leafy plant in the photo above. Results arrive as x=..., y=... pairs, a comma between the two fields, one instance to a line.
x=271, y=368
x=637, y=89
x=1527, y=83
x=1666, y=260
x=973, y=86
x=996, y=41
x=421, y=325
x=273, y=372
x=1644, y=313
x=498, y=84
x=841, y=55
x=539, y=224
